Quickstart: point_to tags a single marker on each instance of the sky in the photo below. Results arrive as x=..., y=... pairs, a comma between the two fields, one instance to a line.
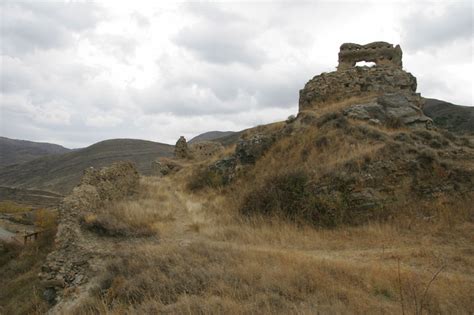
x=75, y=73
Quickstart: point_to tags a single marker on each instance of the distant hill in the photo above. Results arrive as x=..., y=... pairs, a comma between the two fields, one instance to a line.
x=14, y=151
x=33, y=198
x=60, y=173
x=455, y=118
x=211, y=135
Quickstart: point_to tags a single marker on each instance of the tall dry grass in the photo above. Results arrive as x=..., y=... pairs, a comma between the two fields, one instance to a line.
x=213, y=260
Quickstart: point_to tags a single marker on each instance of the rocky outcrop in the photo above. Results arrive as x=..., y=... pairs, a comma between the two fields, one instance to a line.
x=225, y=169
x=181, y=150
x=69, y=265
x=392, y=110
x=249, y=150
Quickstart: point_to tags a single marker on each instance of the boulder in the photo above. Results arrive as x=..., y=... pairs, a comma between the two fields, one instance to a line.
x=390, y=109
x=225, y=168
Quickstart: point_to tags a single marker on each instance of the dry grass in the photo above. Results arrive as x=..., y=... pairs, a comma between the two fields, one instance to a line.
x=143, y=216
x=20, y=288
x=213, y=261
x=8, y=206
x=206, y=278
x=335, y=106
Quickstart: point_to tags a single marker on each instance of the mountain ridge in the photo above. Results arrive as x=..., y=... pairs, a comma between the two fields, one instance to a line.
x=16, y=151
x=60, y=173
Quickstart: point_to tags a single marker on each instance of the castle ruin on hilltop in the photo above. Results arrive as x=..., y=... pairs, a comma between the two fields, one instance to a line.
x=349, y=81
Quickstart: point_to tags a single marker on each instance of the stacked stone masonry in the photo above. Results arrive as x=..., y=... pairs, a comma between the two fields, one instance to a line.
x=349, y=81
x=381, y=53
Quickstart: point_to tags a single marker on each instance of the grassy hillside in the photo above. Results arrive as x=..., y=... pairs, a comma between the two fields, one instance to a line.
x=14, y=151
x=60, y=173
x=211, y=135
x=30, y=197
x=452, y=117
x=336, y=216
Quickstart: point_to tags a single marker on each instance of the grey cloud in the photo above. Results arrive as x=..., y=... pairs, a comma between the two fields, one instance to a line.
x=220, y=37
x=27, y=26
x=421, y=30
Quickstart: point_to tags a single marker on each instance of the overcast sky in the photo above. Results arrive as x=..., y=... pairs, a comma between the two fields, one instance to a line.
x=75, y=73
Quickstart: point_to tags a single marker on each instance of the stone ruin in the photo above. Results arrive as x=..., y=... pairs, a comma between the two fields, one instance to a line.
x=381, y=53
x=181, y=150
x=164, y=166
x=354, y=84
x=205, y=149
x=70, y=264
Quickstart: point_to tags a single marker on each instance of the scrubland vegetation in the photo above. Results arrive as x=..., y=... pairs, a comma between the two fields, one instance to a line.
x=211, y=260
x=10, y=207
x=287, y=235
x=20, y=288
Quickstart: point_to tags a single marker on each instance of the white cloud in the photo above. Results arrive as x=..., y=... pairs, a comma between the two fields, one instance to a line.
x=103, y=121
x=77, y=72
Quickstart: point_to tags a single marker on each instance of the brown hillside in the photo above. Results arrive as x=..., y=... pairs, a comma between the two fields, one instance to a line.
x=61, y=173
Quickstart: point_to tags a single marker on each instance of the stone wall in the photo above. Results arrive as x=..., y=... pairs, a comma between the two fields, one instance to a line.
x=349, y=82
x=381, y=53
x=69, y=265
x=354, y=82
x=181, y=150
x=205, y=149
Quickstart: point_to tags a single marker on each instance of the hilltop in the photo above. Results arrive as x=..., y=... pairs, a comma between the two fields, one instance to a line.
x=60, y=173
x=14, y=151
x=211, y=135
x=359, y=204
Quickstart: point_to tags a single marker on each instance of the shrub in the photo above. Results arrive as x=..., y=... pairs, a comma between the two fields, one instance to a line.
x=322, y=141
x=289, y=195
x=205, y=178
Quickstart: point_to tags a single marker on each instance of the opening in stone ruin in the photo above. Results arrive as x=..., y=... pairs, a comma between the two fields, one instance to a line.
x=365, y=64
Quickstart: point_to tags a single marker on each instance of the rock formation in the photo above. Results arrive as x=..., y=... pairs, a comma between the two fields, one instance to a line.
x=365, y=85
x=181, y=149
x=69, y=265
x=249, y=150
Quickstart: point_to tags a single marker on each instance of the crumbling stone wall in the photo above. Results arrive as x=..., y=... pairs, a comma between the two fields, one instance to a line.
x=181, y=150
x=387, y=76
x=68, y=265
x=382, y=53
x=164, y=166
x=354, y=82
x=205, y=149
